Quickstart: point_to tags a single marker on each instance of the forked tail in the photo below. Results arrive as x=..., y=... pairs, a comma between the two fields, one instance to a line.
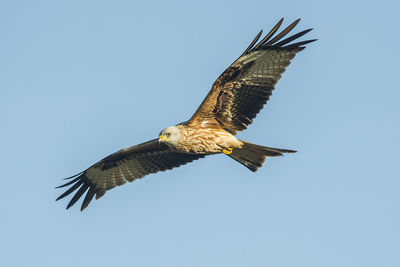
x=253, y=156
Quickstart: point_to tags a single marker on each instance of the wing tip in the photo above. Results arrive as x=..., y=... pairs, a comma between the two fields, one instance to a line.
x=284, y=151
x=73, y=176
x=267, y=42
x=82, y=184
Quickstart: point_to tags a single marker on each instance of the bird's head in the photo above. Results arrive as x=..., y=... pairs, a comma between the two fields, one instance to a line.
x=170, y=135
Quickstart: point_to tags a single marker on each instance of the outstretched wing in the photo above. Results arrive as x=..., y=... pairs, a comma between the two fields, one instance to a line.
x=241, y=91
x=128, y=164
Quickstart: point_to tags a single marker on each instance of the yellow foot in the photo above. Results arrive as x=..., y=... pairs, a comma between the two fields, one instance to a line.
x=227, y=151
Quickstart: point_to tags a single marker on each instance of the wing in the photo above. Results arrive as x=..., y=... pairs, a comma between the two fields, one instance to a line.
x=238, y=95
x=128, y=164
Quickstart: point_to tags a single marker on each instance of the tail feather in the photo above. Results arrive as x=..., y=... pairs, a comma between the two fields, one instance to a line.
x=253, y=156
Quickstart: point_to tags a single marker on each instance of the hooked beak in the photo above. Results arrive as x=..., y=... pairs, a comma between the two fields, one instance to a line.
x=162, y=138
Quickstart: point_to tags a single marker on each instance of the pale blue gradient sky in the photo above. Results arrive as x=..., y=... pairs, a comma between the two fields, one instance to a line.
x=82, y=79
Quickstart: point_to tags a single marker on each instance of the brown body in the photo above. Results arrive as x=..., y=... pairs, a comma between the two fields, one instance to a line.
x=205, y=140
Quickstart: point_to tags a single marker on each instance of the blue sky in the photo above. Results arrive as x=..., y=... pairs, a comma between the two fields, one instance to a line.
x=82, y=79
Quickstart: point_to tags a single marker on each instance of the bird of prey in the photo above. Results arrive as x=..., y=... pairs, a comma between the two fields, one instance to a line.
x=234, y=100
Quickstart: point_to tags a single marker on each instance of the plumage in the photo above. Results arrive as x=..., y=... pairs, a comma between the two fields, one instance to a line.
x=235, y=99
x=241, y=91
x=137, y=161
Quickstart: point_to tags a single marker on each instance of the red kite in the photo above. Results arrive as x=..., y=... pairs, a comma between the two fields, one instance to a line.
x=235, y=99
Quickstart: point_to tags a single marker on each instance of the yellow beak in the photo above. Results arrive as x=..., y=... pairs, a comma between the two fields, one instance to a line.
x=162, y=138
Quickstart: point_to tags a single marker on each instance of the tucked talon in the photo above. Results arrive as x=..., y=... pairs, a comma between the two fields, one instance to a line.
x=227, y=151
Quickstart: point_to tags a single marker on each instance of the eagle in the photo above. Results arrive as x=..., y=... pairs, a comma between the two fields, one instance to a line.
x=235, y=99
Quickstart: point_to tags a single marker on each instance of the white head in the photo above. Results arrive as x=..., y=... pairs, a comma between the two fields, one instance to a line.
x=170, y=135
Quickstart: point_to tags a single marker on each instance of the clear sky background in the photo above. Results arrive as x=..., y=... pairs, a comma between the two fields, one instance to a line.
x=82, y=79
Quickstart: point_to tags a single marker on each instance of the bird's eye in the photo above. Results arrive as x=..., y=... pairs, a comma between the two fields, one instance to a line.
x=168, y=134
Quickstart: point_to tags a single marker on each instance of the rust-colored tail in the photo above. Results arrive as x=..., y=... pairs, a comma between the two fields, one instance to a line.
x=253, y=156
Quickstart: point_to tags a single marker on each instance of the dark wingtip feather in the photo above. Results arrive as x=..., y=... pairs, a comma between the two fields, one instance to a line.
x=282, y=33
x=99, y=194
x=299, y=44
x=252, y=43
x=70, y=182
x=276, y=42
x=286, y=150
x=83, y=183
x=73, y=176
x=78, y=195
x=269, y=35
x=89, y=196
x=71, y=189
x=293, y=37
x=290, y=151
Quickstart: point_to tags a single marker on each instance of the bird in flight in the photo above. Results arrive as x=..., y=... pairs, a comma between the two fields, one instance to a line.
x=234, y=100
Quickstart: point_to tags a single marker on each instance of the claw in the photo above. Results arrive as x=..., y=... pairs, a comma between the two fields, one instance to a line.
x=227, y=151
